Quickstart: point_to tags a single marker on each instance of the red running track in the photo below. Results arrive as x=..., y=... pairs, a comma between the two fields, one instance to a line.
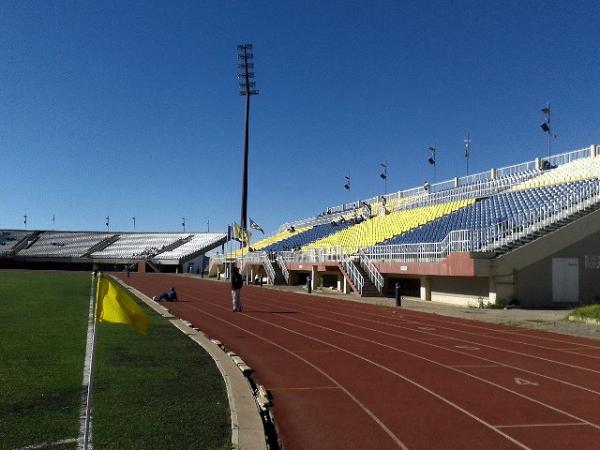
x=351, y=375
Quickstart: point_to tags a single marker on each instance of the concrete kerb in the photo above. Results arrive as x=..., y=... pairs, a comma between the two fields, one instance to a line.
x=247, y=429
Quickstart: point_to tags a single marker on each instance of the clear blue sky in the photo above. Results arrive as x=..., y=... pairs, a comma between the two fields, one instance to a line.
x=132, y=108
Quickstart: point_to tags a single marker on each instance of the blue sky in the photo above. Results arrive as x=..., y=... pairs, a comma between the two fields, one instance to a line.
x=132, y=108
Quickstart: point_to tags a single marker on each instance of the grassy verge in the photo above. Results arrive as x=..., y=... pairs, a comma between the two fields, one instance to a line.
x=587, y=312
x=159, y=391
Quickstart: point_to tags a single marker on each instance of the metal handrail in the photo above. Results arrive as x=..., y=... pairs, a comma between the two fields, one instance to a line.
x=284, y=269
x=353, y=273
x=523, y=170
x=494, y=236
x=268, y=267
x=374, y=274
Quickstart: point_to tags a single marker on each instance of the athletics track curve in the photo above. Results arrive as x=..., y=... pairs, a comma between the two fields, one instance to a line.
x=351, y=375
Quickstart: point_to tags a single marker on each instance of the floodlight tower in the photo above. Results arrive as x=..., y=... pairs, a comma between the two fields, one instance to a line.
x=245, y=56
x=107, y=223
x=183, y=223
x=25, y=220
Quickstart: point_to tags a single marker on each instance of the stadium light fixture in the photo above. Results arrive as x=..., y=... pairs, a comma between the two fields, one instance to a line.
x=383, y=176
x=25, y=220
x=545, y=126
x=133, y=218
x=247, y=89
x=467, y=141
x=107, y=223
x=347, y=184
x=433, y=159
x=183, y=223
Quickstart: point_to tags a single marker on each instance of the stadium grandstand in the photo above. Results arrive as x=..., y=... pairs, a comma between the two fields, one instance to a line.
x=526, y=234
x=81, y=250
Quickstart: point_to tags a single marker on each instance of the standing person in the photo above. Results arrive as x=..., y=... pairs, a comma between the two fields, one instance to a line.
x=236, y=286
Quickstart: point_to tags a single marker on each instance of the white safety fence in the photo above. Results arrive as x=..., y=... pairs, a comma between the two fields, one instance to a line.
x=284, y=269
x=493, y=237
x=472, y=186
x=374, y=274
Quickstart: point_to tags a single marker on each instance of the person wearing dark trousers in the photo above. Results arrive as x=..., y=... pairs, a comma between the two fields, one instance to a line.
x=236, y=286
x=170, y=296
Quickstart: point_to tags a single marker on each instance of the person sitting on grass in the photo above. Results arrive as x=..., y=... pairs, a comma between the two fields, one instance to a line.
x=170, y=296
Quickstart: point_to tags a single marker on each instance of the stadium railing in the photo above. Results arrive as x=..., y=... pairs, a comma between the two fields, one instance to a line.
x=374, y=274
x=284, y=269
x=356, y=278
x=493, y=237
x=485, y=184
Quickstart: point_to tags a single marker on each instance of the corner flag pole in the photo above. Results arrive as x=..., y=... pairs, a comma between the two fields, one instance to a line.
x=85, y=429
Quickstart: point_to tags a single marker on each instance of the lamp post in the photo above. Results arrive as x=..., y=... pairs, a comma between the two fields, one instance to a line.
x=467, y=150
x=432, y=160
x=347, y=182
x=245, y=56
x=383, y=176
x=25, y=220
x=183, y=223
x=107, y=223
x=133, y=218
x=545, y=126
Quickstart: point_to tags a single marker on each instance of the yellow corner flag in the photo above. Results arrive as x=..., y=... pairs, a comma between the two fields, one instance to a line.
x=114, y=304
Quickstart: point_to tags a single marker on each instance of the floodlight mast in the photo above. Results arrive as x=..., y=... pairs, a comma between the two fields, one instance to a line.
x=245, y=56
x=467, y=141
x=545, y=126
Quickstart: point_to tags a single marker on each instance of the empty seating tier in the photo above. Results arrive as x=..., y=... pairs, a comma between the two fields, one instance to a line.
x=305, y=237
x=268, y=241
x=196, y=244
x=139, y=245
x=380, y=228
x=63, y=244
x=494, y=210
x=580, y=169
x=9, y=239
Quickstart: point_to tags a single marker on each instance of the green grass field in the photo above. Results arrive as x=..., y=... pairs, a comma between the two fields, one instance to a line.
x=159, y=391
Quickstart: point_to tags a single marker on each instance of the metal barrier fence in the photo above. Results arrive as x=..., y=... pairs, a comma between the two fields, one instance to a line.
x=521, y=171
x=495, y=236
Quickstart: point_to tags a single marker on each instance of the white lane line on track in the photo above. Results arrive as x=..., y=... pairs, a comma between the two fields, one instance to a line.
x=506, y=340
x=521, y=332
x=437, y=324
x=376, y=419
x=449, y=349
x=536, y=425
x=466, y=366
x=491, y=383
x=387, y=369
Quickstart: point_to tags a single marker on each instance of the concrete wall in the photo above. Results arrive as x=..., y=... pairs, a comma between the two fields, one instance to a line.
x=534, y=283
x=194, y=265
x=462, y=291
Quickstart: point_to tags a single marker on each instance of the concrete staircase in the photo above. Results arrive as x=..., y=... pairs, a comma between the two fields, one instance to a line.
x=279, y=278
x=369, y=289
x=523, y=240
